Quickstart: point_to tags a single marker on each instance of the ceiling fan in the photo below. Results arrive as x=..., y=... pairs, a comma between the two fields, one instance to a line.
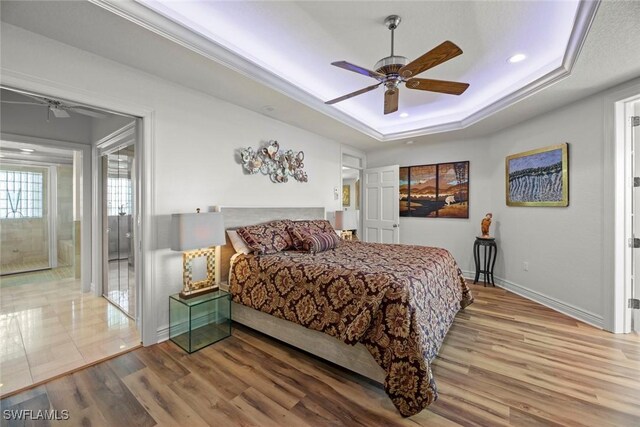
x=59, y=109
x=393, y=70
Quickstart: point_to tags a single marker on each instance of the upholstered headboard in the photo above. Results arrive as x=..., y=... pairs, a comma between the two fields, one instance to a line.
x=235, y=217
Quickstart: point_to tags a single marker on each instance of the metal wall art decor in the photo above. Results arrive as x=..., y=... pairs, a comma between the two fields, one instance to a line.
x=271, y=161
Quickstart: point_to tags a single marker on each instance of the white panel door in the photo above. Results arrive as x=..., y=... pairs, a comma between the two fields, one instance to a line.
x=381, y=205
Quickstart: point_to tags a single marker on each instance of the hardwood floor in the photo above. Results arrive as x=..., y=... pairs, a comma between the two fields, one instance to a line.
x=506, y=361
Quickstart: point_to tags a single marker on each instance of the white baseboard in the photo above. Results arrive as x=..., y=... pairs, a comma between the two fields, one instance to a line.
x=163, y=333
x=562, y=307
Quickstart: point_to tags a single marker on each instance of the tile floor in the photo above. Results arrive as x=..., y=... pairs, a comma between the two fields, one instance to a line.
x=50, y=328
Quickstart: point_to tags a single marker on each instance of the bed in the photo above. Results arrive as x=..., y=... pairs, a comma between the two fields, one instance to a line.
x=380, y=310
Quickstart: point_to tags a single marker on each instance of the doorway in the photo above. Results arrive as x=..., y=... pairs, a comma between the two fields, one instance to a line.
x=40, y=231
x=51, y=322
x=351, y=198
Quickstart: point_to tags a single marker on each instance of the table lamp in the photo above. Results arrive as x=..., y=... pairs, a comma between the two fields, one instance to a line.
x=346, y=220
x=195, y=235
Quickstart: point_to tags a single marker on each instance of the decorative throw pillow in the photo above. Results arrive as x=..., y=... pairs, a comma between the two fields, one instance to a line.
x=267, y=238
x=238, y=243
x=319, y=242
x=312, y=226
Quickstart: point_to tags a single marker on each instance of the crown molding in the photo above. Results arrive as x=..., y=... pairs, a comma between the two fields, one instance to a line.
x=155, y=22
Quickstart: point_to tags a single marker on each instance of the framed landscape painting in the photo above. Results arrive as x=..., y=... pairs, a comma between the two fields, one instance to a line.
x=435, y=191
x=538, y=177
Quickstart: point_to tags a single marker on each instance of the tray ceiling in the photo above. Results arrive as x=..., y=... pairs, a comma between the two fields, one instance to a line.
x=289, y=46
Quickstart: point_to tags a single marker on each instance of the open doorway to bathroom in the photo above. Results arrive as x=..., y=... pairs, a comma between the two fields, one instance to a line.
x=53, y=317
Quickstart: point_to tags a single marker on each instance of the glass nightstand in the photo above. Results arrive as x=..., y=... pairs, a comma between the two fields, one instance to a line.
x=197, y=322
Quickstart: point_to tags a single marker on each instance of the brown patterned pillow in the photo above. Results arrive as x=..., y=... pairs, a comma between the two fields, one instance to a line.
x=318, y=242
x=268, y=238
x=312, y=226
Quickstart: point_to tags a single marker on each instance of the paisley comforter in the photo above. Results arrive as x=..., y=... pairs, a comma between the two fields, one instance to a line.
x=397, y=300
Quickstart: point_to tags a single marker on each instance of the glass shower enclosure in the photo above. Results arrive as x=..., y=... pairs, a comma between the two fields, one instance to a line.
x=119, y=211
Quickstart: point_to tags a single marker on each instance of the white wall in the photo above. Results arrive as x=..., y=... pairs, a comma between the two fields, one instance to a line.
x=196, y=139
x=563, y=246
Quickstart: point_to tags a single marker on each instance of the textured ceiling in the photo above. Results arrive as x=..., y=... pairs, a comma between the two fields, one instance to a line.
x=604, y=61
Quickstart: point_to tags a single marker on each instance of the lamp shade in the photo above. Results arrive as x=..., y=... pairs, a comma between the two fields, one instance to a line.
x=346, y=220
x=196, y=230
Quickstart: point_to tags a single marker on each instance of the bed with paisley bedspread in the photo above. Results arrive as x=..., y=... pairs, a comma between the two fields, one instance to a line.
x=397, y=300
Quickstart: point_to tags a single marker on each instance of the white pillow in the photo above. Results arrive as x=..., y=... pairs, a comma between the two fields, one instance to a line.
x=238, y=243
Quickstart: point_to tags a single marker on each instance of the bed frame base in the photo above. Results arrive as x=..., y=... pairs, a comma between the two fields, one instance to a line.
x=355, y=358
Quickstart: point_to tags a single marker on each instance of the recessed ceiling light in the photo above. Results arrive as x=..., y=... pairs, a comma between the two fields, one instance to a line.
x=409, y=142
x=27, y=150
x=403, y=115
x=518, y=57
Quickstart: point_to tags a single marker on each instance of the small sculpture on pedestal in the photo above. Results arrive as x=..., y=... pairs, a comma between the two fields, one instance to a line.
x=484, y=226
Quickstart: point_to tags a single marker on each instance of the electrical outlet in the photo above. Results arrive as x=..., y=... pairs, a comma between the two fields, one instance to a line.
x=525, y=266
x=336, y=194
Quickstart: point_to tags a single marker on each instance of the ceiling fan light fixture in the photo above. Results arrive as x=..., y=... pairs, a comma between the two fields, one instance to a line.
x=393, y=70
x=518, y=57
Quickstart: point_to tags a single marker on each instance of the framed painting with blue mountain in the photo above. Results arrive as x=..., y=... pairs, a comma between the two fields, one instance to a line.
x=538, y=177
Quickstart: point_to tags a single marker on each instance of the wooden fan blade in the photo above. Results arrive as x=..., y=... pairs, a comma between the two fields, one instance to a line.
x=352, y=94
x=435, y=56
x=442, y=86
x=391, y=100
x=357, y=69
